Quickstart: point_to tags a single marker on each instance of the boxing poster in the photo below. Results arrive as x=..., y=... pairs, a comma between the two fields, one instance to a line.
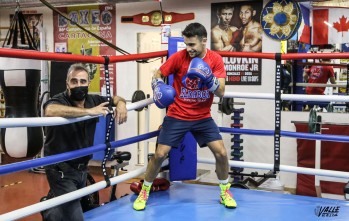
x=68, y=38
x=236, y=27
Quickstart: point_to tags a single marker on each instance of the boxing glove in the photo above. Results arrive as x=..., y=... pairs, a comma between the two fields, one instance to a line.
x=164, y=95
x=155, y=82
x=136, y=187
x=198, y=68
x=159, y=184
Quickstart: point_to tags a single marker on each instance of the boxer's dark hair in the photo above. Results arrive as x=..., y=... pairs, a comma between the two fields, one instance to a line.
x=195, y=29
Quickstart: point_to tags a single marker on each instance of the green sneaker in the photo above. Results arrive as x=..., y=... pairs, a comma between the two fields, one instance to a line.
x=141, y=201
x=226, y=196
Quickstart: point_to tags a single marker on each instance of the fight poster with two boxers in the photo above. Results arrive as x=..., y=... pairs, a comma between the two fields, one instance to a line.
x=236, y=27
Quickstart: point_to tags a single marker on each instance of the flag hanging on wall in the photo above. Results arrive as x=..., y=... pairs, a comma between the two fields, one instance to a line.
x=330, y=26
x=304, y=28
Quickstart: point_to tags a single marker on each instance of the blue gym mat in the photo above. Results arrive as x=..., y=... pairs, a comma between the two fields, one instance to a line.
x=201, y=202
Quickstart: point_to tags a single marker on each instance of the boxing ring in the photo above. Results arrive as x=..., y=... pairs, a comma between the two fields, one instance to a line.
x=185, y=201
x=199, y=202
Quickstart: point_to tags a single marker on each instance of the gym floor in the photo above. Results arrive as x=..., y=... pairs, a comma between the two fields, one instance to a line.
x=25, y=188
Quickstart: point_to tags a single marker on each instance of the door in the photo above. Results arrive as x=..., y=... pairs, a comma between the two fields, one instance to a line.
x=148, y=42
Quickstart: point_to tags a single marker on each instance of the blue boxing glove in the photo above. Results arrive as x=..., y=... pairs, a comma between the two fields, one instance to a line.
x=164, y=94
x=198, y=68
x=155, y=82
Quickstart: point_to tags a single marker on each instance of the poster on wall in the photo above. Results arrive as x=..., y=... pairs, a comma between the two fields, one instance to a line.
x=235, y=27
x=68, y=38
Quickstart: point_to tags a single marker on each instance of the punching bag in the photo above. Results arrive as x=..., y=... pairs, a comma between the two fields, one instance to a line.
x=20, y=81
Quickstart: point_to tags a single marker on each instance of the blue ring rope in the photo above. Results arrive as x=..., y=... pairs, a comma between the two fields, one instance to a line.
x=15, y=167
x=308, y=136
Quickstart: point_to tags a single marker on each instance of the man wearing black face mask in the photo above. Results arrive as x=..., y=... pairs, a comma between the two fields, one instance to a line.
x=71, y=175
x=78, y=93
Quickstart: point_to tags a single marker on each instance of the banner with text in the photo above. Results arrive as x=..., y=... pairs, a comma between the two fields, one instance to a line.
x=68, y=38
x=235, y=26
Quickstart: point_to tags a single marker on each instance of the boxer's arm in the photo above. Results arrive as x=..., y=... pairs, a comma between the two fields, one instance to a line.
x=221, y=89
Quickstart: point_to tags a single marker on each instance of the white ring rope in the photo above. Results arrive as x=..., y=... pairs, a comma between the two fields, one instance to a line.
x=290, y=97
x=284, y=168
x=138, y=104
x=35, y=208
x=51, y=121
x=318, y=85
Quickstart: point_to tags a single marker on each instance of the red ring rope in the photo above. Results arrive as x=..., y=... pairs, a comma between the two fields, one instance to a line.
x=18, y=53
x=289, y=56
x=298, y=56
x=27, y=54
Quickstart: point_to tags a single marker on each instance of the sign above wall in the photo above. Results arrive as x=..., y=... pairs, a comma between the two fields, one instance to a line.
x=154, y=18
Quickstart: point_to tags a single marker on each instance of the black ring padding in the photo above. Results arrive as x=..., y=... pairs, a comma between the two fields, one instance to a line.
x=278, y=56
x=277, y=131
x=106, y=60
x=138, y=96
x=110, y=106
x=277, y=112
x=108, y=183
x=276, y=168
x=108, y=145
x=107, y=151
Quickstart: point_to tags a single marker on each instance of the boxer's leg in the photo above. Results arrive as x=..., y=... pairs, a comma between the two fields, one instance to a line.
x=153, y=169
x=222, y=167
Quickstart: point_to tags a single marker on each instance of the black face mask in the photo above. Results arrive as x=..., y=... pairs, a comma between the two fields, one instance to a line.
x=78, y=93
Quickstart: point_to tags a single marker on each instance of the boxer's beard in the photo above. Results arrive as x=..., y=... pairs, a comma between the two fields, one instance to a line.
x=78, y=93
